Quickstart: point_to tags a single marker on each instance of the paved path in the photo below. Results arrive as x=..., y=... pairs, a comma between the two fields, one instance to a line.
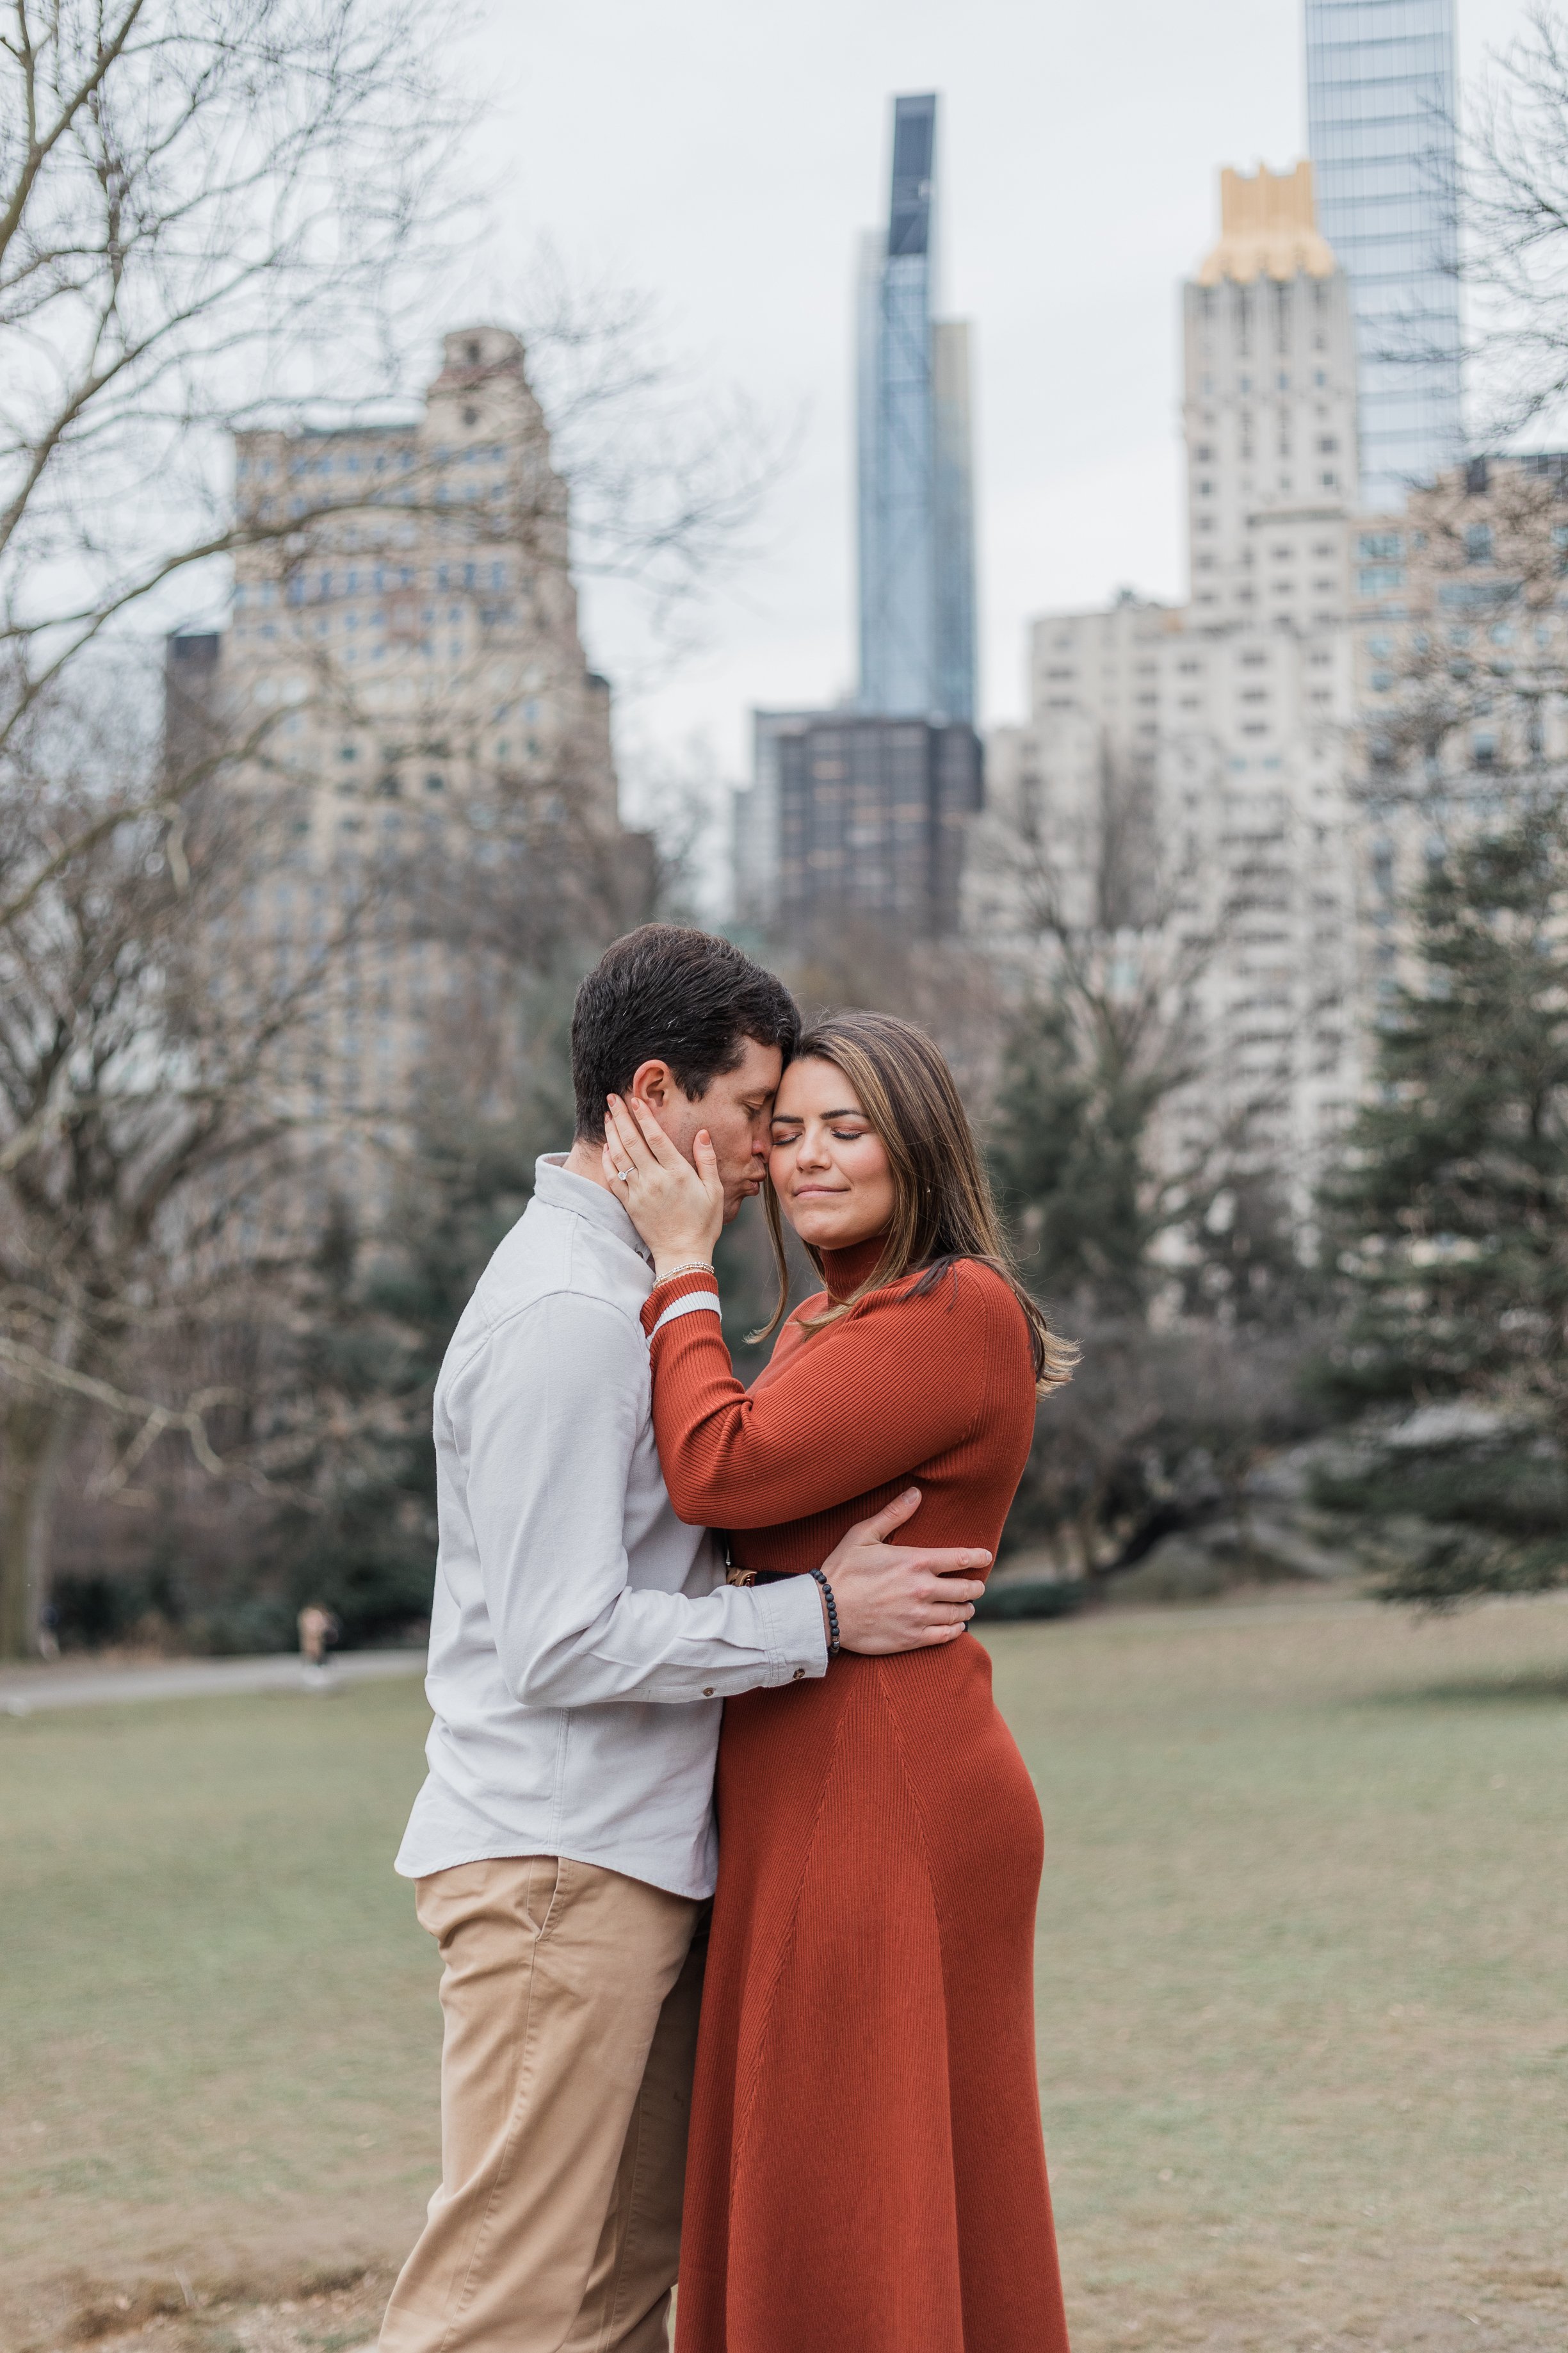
x=23, y=1690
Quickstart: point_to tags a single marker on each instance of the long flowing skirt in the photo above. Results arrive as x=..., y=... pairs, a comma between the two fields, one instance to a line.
x=866, y=2172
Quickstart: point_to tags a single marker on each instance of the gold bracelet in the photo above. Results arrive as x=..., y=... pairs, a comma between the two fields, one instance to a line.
x=694, y=1266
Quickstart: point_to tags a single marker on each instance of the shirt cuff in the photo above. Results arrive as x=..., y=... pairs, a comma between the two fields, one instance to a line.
x=790, y=1615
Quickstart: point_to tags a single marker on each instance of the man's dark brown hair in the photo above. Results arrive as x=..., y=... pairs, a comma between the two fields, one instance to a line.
x=668, y=995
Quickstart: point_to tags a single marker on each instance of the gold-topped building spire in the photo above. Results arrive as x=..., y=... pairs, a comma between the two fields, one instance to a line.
x=1267, y=228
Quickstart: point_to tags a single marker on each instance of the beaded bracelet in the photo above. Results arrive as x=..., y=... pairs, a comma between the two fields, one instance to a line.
x=832, y=1613
x=692, y=1266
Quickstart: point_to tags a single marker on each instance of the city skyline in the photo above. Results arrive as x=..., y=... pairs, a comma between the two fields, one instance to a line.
x=1079, y=169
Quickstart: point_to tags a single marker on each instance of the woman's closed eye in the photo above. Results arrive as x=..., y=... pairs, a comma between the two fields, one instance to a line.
x=840, y=1134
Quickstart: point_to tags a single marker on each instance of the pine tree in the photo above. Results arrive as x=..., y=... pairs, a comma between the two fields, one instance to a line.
x=1071, y=1153
x=1451, y=1215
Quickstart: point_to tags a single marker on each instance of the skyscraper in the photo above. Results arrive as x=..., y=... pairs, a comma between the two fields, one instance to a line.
x=916, y=495
x=861, y=813
x=1381, y=109
x=1270, y=408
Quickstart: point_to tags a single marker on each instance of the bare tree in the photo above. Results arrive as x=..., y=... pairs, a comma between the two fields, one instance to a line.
x=1112, y=945
x=1515, y=214
x=217, y=221
x=1469, y=677
x=146, y=1120
x=194, y=196
x=192, y=199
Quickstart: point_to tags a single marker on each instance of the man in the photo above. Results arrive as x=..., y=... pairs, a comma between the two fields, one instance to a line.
x=581, y=1644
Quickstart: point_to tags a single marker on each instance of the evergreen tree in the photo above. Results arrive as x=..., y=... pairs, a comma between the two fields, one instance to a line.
x=1452, y=1210
x=1451, y=1215
x=1070, y=1154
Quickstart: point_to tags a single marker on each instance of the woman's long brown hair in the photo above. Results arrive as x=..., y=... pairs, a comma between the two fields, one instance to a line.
x=943, y=1207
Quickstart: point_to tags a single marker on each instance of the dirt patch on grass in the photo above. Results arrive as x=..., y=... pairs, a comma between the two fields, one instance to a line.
x=320, y=2311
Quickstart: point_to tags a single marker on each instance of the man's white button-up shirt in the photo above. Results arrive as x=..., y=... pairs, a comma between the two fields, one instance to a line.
x=582, y=1638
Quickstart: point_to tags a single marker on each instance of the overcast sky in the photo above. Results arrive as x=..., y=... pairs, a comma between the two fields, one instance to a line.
x=722, y=155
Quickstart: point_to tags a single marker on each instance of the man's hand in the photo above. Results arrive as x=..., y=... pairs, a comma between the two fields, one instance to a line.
x=895, y=1596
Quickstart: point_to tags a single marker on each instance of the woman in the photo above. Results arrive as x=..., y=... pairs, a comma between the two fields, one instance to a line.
x=865, y=2172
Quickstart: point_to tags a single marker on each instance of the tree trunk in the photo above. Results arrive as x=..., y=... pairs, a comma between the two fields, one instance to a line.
x=33, y=1433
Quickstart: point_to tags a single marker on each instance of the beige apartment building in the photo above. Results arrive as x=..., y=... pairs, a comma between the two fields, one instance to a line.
x=1224, y=726
x=403, y=649
x=1461, y=667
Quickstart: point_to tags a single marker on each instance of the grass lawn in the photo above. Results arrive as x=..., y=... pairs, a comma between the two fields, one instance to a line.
x=1303, y=1992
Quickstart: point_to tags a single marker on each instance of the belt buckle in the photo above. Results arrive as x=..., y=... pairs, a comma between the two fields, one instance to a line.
x=741, y=1577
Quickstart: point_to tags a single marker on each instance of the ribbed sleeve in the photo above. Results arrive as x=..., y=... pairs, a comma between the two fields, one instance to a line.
x=894, y=1383
x=702, y=1288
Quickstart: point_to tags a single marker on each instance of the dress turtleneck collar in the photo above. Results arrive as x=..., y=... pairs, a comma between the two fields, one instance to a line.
x=844, y=1270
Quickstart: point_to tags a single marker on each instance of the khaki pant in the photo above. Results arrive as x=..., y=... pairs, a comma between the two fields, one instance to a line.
x=570, y=1996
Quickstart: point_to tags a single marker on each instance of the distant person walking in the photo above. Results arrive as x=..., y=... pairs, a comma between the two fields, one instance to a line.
x=866, y=2172
x=318, y=1627
x=582, y=1642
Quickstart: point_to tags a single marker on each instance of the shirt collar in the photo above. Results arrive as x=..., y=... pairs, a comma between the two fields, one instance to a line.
x=560, y=1188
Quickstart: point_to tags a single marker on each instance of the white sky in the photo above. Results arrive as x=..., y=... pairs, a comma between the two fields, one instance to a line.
x=722, y=155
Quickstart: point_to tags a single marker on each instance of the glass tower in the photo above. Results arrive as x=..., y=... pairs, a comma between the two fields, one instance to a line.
x=1381, y=114
x=916, y=495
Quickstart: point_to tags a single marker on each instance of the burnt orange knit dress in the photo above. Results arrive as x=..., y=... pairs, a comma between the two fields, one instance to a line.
x=865, y=2172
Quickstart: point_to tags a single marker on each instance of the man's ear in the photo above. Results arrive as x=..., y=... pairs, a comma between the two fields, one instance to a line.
x=654, y=1084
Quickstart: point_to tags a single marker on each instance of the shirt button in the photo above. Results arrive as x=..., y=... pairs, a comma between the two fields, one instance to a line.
x=799, y=1674
x=707, y=1691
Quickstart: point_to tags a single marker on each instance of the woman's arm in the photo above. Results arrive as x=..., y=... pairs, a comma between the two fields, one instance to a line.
x=861, y=1404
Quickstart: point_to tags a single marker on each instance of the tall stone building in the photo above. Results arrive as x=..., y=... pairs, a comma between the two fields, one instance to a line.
x=403, y=649
x=1201, y=751
x=1269, y=410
